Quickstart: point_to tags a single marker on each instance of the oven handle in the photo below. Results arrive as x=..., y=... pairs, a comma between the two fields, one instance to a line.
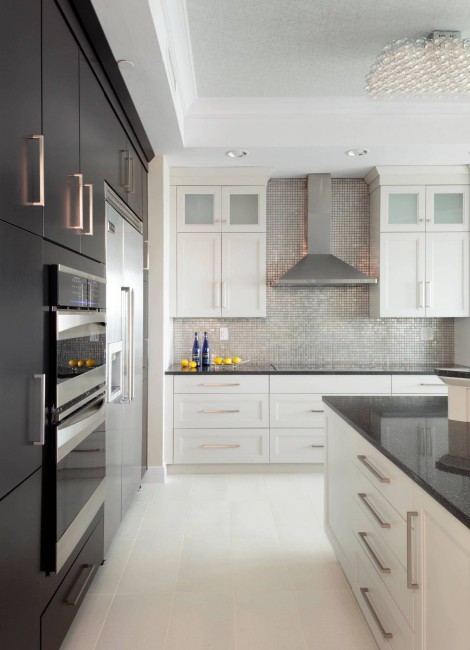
x=74, y=431
x=67, y=320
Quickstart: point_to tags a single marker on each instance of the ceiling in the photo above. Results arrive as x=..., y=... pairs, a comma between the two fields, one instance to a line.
x=282, y=79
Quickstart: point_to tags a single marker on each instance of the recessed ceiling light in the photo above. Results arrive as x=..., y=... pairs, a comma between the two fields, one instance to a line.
x=357, y=152
x=125, y=63
x=236, y=153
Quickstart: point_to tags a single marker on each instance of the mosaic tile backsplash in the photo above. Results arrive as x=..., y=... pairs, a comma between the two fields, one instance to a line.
x=323, y=325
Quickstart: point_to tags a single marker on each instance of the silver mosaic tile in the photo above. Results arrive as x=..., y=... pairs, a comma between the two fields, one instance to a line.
x=322, y=325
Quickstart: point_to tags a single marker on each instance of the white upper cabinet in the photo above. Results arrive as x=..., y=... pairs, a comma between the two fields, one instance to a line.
x=243, y=209
x=198, y=209
x=447, y=208
x=243, y=275
x=446, y=291
x=402, y=208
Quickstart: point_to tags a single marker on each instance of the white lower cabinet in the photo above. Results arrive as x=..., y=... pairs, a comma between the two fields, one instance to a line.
x=221, y=446
x=227, y=411
x=406, y=557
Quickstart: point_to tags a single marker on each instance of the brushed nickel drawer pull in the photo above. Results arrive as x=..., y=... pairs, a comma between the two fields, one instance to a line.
x=217, y=385
x=221, y=411
x=220, y=446
x=438, y=385
x=373, y=554
x=410, y=583
x=379, y=520
x=318, y=446
x=385, y=634
x=371, y=468
x=316, y=410
x=75, y=593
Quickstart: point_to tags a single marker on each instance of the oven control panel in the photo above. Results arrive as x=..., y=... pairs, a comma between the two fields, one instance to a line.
x=78, y=290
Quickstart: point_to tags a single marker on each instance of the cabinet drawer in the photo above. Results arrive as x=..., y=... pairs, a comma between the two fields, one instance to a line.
x=221, y=446
x=223, y=382
x=289, y=411
x=374, y=506
x=331, y=384
x=385, y=563
x=297, y=446
x=227, y=411
x=63, y=607
x=418, y=384
x=378, y=607
x=395, y=486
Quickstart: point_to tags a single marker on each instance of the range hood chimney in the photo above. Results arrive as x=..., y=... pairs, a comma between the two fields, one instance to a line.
x=319, y=267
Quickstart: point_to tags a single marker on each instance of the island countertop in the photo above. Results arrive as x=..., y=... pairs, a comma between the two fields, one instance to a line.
x=416, y=435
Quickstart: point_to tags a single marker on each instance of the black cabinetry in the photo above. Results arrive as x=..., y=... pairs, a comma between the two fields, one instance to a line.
x=63, y=210
x=20, y=517
x=22, y=357
x=21, y=154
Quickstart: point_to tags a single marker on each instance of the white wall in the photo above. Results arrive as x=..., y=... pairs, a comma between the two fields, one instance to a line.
x=160, y=331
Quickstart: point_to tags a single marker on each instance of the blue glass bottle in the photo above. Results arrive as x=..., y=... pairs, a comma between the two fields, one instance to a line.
x=196, y=354
x=206, y=357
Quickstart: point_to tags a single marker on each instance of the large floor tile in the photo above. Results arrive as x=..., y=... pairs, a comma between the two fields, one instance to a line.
x=110, y=573
x=165, y=519
x=332, y=620
x=132, y=521
x=146, y=492
x=87, y=625
x=246, y=487
x=136, y=621
x=209, y=487
x=151, y=568
x=318, y=569
x=201, y=622
x=252, y=519
x=176, y=488
x=209, y=519
x=258, y=564
x=267, y=621
x=205, y=565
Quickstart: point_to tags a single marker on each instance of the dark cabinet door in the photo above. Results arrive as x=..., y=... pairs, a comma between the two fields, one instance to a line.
x=102, y=143
x=22, y=351
x=63, y=212
x=21, y=160
x=135, y=181
x=20, y=534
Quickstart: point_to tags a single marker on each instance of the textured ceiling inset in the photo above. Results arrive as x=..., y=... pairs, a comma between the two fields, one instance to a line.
x=304, y=48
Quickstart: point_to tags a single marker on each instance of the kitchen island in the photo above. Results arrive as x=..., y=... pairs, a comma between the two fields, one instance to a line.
x=397, y=511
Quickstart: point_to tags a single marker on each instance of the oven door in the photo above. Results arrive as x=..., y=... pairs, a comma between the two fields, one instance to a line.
x=80, y=361
x=80, y=475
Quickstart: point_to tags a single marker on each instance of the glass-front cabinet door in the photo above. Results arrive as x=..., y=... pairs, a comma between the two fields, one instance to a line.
x=198, y=209
x=447, y=207
x=244, y=209
x=402, y=209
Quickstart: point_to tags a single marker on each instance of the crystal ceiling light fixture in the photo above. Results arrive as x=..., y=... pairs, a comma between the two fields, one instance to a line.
x=438, y=65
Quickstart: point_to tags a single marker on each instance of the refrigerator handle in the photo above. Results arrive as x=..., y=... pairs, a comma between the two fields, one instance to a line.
x=128, y=329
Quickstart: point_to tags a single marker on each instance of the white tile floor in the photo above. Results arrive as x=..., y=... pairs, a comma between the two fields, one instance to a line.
x=222, y=562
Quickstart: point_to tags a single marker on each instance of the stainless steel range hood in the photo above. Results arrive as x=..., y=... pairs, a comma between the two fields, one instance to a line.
x=319, y=266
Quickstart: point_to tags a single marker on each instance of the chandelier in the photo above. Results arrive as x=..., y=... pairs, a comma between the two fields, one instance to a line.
x=438, y=65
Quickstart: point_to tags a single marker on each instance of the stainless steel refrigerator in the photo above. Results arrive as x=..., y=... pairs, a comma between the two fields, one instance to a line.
x=124, y=302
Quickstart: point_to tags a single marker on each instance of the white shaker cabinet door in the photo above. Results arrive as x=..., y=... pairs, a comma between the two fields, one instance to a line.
x=402, y=274
x=243, y=275
x=198, y=280
x=447, y=274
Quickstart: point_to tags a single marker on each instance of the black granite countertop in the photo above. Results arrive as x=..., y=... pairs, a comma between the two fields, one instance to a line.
x=454, y=371
x=416, y=435
x=316, y=369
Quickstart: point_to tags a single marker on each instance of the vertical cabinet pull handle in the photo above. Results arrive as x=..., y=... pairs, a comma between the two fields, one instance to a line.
x=86, y=571
x=217, y=293
x=89, y=187
x=146, y=256
x=224, y=295
x=40, y=139
x=370, y=607
x=365, y=461
x=79, y=224
x=421, y=297
x=42, y=410
x=128, y=329
x=410, y=583
x=428, y=294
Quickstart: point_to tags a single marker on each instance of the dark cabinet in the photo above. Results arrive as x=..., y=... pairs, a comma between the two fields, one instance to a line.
x=102, y=146
x=21, y=160
x=63, y=211
x=22, y=368
x=20, y=516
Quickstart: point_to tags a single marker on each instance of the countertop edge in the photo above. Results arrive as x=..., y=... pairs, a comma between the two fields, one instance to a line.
x=450, y=507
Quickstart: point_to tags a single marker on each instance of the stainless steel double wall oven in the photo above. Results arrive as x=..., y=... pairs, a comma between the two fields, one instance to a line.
x=74, y=480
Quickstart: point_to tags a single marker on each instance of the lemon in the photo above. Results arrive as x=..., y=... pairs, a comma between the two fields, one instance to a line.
x=185, y=362
x=228, y=361
x=81, y=363
x=192, y=364
x=90, y=363
x=236, y=360
x=73, y=363
x=218, y=360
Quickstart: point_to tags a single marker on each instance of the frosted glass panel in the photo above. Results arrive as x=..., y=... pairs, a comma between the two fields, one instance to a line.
x=448, y=208
x=243, y=209
x=403, y=208
x=199, y=209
